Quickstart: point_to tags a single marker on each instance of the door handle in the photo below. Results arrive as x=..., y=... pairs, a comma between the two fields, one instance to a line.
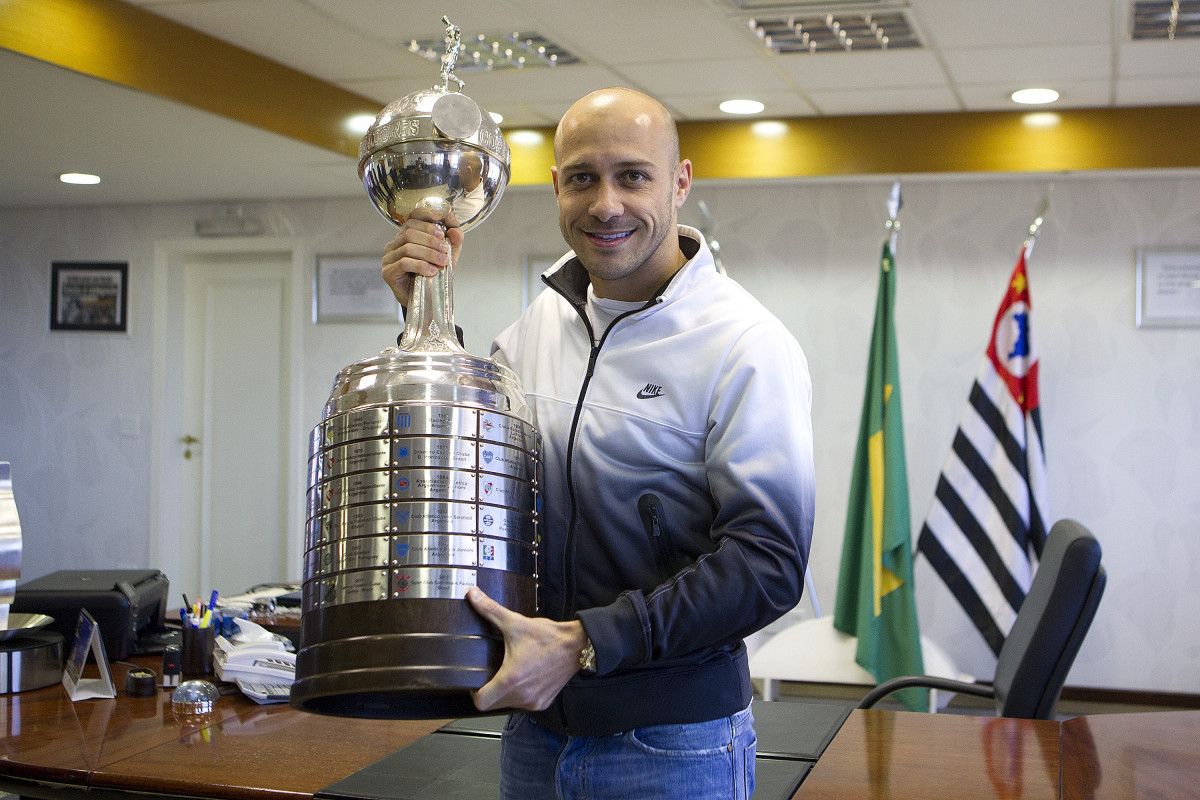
x=187, y=441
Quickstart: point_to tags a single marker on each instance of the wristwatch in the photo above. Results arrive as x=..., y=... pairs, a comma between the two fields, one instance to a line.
x=587, y=658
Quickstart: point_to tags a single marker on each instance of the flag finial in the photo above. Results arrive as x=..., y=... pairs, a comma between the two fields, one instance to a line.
x=893, y=223
x=1035, y=227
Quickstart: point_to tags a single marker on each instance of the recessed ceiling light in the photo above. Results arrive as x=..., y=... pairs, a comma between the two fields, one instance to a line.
x=360, y=123
x=525, y=138
x=742, y=107
x=769, y=128
x=1034, y=97
x=80, y=178
x=1041, y=119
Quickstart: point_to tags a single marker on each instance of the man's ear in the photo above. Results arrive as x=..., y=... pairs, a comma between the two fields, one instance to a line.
x=683, y=183
x=554, y=179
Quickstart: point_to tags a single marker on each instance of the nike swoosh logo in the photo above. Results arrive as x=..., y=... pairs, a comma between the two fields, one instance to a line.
x=645, y=395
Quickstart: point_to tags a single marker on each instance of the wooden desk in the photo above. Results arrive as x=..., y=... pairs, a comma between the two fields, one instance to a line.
x=1120, y=756
x=53, y=748
x=900, y=755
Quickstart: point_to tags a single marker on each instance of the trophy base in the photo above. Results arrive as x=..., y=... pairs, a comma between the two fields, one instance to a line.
x=402, y=659
x=421, y=692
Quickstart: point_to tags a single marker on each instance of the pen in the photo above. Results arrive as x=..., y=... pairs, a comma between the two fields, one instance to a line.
x=212, y=603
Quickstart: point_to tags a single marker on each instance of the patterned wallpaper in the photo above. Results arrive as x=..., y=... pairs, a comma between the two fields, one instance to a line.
x=1121, y=405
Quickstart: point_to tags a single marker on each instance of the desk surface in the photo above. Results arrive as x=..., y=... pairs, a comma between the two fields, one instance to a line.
x=900, y=755
x=241, y=750
x=53, y=748
x=1119, y=756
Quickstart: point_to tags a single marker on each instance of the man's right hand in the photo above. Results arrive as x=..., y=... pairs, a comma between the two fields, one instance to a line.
x=423, y=246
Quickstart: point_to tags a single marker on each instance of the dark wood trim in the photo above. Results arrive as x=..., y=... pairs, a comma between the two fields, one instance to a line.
x=1070, y=694
x=1083, y=694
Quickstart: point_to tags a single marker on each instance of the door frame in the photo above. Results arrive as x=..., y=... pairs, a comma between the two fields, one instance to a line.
x=170, y=259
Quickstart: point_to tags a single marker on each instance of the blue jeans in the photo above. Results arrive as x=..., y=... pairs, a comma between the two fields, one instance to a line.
x=700, y=760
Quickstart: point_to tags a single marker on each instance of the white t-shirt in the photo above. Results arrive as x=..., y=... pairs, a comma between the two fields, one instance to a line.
x=602, y=311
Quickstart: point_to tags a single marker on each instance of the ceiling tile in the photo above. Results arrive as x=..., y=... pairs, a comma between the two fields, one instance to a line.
x=1160, y=91
x=955, y=24
x=1161, y=59
x=898, y=100
x=297, y=35
x=744, y=78
x=1026, y=65
x=866, y=70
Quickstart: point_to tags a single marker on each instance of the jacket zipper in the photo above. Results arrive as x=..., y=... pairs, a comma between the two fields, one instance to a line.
x=650, y=509
x=567, y=609
x=568, y=567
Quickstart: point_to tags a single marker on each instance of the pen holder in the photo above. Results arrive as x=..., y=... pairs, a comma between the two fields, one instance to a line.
x=197, y=651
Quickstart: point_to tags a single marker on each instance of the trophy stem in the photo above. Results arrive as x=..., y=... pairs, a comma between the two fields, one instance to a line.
x=429, y=324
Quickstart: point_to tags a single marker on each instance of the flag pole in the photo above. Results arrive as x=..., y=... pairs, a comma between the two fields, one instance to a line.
x=710, y=238
x=893, y=223
x=1035, y=228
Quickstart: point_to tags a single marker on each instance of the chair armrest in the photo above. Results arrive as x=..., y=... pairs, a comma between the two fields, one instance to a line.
x=926, y=682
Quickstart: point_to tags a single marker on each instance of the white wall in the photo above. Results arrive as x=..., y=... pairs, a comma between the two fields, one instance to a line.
x=1121, y=406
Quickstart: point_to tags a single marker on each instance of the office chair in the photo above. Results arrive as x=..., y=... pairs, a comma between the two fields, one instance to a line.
x=1045, y=637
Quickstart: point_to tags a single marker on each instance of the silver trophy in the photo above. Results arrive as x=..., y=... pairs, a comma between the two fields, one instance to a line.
x=424, y=472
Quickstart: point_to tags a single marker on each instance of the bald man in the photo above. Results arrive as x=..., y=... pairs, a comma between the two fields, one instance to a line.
x=678, y=484
x=471, y=196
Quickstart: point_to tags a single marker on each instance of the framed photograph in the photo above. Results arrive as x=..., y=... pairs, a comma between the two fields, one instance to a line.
x=1168, y=286
x=348, y=288
x=89, y=295
x=535, y=265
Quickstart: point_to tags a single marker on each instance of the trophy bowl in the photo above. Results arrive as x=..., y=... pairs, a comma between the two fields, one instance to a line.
x=434, y=145
x=424, y=471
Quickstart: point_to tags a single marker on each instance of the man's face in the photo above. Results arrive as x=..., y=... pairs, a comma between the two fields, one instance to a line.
x=619, y=190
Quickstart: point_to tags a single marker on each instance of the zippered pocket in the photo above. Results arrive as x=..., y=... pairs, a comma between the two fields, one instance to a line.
x=651, y=512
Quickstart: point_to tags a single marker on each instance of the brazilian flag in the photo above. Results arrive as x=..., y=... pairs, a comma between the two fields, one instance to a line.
x=875, y=600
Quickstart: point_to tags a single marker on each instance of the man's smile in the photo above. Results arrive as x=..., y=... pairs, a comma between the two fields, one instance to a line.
x=608, y=237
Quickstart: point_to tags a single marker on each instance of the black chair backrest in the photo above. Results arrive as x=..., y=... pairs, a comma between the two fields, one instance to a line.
x=1049, y=629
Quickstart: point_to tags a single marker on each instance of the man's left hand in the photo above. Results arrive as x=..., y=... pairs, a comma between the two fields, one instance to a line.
x=540, y=656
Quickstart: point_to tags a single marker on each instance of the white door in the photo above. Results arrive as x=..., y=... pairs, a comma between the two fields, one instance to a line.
x=225, y=422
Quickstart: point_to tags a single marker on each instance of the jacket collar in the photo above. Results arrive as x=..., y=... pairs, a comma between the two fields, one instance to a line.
x=570, y=279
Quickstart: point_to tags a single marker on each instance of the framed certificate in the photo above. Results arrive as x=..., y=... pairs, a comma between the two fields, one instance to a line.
x=349, y=288
x=1168, y=287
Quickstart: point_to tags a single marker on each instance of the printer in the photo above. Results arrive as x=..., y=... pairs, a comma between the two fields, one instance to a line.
x=129, y=605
